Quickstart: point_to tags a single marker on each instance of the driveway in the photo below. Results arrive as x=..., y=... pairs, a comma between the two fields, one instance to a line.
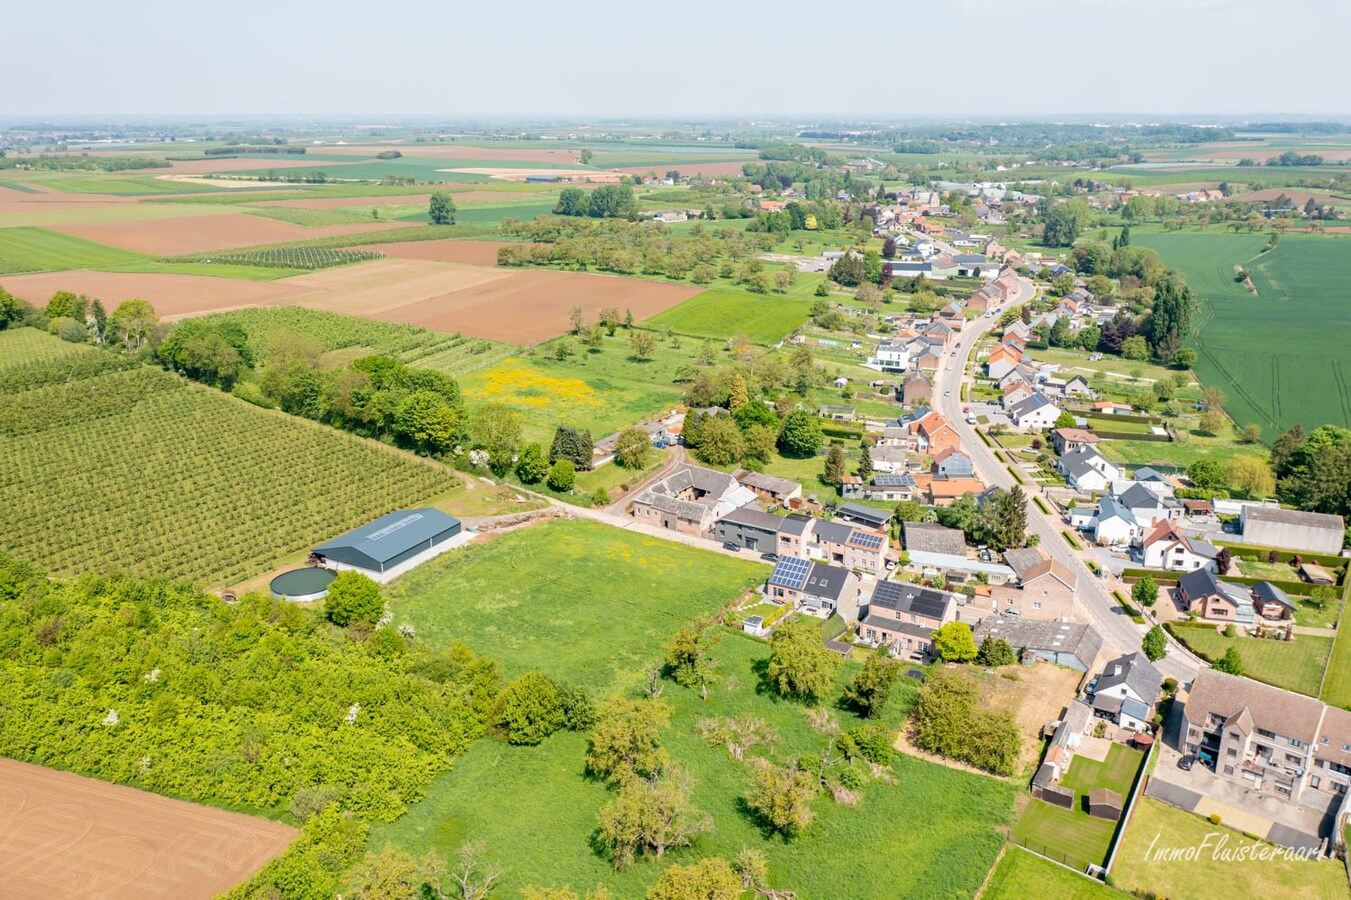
x=1117, y=629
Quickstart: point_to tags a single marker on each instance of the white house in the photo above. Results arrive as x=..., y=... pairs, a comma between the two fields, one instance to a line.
x=1087, y=470
x=1036, y=413
x=1115, y=524
x=1149, y=507
x=1166, y=548
x=891, y=357
x=1126, y=691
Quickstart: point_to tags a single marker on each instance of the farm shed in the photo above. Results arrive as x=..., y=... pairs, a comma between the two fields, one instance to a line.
x=392, y=544
x=302, y=585
x=1292, y=529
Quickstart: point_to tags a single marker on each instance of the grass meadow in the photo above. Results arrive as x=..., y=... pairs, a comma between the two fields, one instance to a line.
x=601, y=624
x=586, y=602
x=1020, y=874
x=1280, y=355
x=26, y=249
x=764, y=318
x=1206, y=872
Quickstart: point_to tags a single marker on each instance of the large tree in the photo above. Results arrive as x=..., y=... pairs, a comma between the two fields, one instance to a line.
x=353, y=597
x=955, y=643
x=633, y=448
x=496, y=428
x=441, y=209
x=782, y=795
x=1155, y=644
x=1170, y=320
x=720, y=441
x=801, y=434
x=530, y=709
x=871, y=687
x=649, y=817
x=626, y=740
x=1317, y=475
x=800, y=664
x=711, y=878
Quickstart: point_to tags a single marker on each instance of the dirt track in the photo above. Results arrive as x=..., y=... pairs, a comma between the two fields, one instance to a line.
x=66, y=836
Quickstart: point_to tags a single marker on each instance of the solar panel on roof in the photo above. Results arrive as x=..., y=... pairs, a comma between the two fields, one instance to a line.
x=791, y=572
x=892, y=480
x=868, y=541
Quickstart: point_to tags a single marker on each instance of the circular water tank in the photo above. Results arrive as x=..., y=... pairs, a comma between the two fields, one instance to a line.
x=302, y=585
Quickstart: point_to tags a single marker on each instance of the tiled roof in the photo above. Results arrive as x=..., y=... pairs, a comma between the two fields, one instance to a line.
x=1286, y=713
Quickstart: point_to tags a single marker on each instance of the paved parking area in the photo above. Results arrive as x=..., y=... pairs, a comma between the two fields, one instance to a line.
x=1203, y=792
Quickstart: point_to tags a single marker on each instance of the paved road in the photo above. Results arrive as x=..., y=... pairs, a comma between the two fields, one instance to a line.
x=1118, y=630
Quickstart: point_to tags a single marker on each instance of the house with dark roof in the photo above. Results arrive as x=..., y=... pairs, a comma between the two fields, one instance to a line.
x=846, y=544
x=1114, y=523
x=815, y=588
x=390, y=545
x=1063, y=643
x=890, y=487
x=1126, y=691
x=1087, y=470
x=1036, y=413
x=1270, y=602
x=751, y=528
x=953, y=463
x=794, y=534
x=904, y=616
x=1150, y=504
x=1210, y=597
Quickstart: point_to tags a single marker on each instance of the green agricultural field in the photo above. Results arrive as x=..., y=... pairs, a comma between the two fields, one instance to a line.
x=141, y=472
x=722, y=314
x=1197, y=875
x=1021, y=874
x=1073, y=836
x=120, y=184
x=348, y=337
x=586, y=602
x=40, y=250
x=602, y=390
x=934, y=832
x=1294, y=665
x=1280, y=355
x=312, y=218
x=20, y=346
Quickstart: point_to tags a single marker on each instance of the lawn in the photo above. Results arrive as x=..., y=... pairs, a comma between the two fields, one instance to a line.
x=1279, y=354
x=39, y=250
x=1073, y=836
x=1021, y=874
x=1194, y=445
x=1207, y=865
x=931, y=833
x=722, y=314
x=1337, y=687
x=587, y=602
x=1294, y=665
x=19, y=346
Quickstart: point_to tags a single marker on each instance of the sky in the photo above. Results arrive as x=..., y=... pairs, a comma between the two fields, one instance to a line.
x=667, y=61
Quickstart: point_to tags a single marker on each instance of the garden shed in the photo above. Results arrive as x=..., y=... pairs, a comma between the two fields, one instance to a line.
x=392, y=544
x=1104, y=803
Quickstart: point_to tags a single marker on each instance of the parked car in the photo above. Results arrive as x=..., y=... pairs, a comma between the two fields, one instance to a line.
x=1186, y=762
x=1011, y=613
x=731, y=545
x=770, y=557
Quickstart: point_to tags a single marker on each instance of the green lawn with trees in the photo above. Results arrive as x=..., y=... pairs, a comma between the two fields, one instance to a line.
x=1021, y=874
x=950, y=818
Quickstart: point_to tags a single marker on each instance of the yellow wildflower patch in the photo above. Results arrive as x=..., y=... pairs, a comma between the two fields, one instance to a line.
x=521, y=386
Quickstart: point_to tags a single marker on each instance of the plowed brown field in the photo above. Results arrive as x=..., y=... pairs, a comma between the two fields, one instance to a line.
x=171, y=237
x=66, y=836
x=478, y=253
x=512, y=305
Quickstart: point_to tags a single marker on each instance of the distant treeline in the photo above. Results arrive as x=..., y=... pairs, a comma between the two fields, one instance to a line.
x=82, y=163
x=235, y=151
x=1298, y=128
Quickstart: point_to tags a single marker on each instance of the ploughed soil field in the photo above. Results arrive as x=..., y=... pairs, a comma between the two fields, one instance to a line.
x=454, y=151
x=62, y=835
x=202, y=234
x=516, y=306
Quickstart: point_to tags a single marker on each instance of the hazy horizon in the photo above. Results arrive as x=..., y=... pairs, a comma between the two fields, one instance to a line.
x=601, y=60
